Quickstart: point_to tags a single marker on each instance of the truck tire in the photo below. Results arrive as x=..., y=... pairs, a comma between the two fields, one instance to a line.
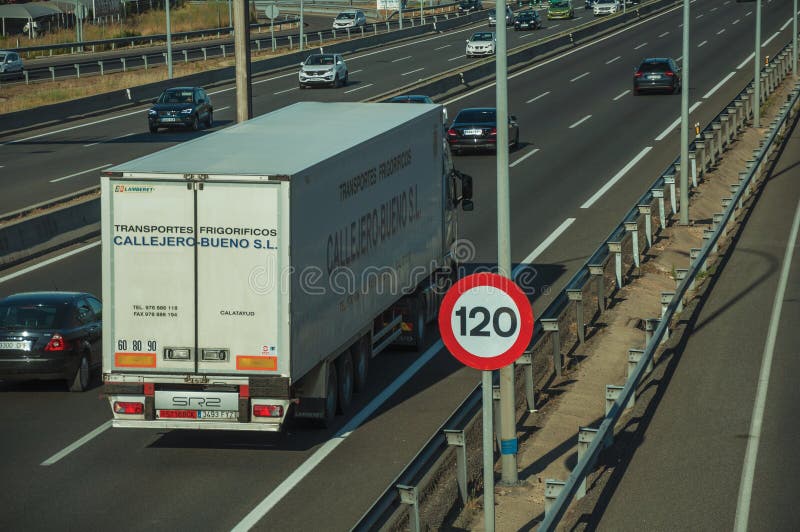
x=80, y=382
x=360, y=355
x=344, y=383
x=331, y=401
x=420, y=320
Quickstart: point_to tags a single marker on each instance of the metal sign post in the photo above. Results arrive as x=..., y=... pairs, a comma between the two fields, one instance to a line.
x=486, y=322
x=271, y=11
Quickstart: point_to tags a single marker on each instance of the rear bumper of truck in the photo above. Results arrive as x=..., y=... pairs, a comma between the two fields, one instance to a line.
x=191, y=425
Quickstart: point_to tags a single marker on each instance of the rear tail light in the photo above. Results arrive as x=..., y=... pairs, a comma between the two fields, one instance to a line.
x=493, y=131
x=125, y=407
x=452, y=132
x=638, y=74
x=57, y=343
x=669, y=73
x=267, y=410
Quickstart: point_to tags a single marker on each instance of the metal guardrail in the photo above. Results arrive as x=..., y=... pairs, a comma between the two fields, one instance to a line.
x=636, y=230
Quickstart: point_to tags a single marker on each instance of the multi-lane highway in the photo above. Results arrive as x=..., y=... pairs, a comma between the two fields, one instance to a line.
x=588, y=149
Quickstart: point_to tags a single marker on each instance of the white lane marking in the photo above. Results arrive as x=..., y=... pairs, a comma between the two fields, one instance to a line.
x=401, y=59
x=680, y=25
x=744, y=63
x=679, y=59
x=229, y=89
x=720, y=32
x=76, y=174
x=544, y=245
x=222, y=108
x=515, y=163
x=757, y=419
x=73, y=446
x=443, y=47
x=712, y=9
x=677, y=121
x=417, y=70
x=785, y=24
x=542, y=95
x=72, y=127
x=716, y=87
x=612, y=60
x=273, y=498
x=597, y=195
x=562, y=56
x=579, y=77
x=726, y=2
x=748, y=13
x=770, y=39
x=663, y=34
x=577, y=18
x=47, y=262
x=620, y=95
x=702, y=44
x=735, y=22
x=554, y=26
x=699, y=16
x=581, y=121
x=359, y=88
x=641, y=46
x=457, y=57
x=109, y=140
x=356, y=71
x=285, y=90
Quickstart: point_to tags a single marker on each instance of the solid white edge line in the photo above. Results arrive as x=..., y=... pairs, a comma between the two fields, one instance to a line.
x=744, y=63
x=677, y=121
x=76, y=444
x=581, y=121
x=597, y=195
x=537, y=97
x=544, y=245
x=620, y=95
x=785, y=24
x=716, y=87
x=76, y=174
x=515, y=163
x=269, y=502
x=417, y=70
x=72, y=127
x=47, y=262
x=751, y=454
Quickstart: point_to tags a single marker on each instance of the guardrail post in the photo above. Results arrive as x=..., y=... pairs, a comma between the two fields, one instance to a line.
x=552, y=489
x=733, y=122
x=669, y=180
x=348, y=33
x=526, y=361
x=716, y=128
x=740, y=115
x=712, y=156
x=725, y=125
x=650, y=325
x=633, y=229
x=551, y=325
x=748, y=102
x=634, y=356
x=644, y=210
x=387, y=27
x=362, y=32
x=100, y=64
x=25, y=73
x=693, y=167
x=224, y=53
x=185, y=56
x=612, y=394
x=374, y=29
x=700, y=146
x=616, y=249
x=274, y=43
x=597, y=271
x=205, y=53
x=77, y=70
x=124, y=64
x=291, y=46
x=666, y=299
x=658, y=193
x=680, y=275
x=585, y=438
x=258, y=44
x=707, y=234
x=717, y=220
x=576, y=295
x=410, y=497
x=455, y=438
x=742, y=179
x=319, y=34
x=144, y=58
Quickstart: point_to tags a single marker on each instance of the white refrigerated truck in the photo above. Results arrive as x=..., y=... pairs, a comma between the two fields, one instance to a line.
x=252, y=273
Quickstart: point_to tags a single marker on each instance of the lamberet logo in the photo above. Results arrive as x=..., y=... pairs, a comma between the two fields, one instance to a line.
x=134, y=188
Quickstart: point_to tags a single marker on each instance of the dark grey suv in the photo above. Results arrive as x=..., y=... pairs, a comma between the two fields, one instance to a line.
x=657, y=74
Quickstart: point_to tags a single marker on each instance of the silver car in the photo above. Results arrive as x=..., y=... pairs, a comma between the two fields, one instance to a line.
x=351, y=18
x=323, y=69
x=509, y=17
x=11, y=65
x=481, y=43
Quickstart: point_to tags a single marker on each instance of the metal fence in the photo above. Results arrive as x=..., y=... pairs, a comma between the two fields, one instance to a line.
x=586, y=293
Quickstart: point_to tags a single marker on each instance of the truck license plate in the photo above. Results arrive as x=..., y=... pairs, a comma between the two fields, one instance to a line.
x=17, y=346
x=217, y=414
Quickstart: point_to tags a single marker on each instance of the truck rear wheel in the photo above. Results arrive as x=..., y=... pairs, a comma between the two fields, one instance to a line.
x=420, y=321
x=331, y=400
x=360, y=355
x=344, y=373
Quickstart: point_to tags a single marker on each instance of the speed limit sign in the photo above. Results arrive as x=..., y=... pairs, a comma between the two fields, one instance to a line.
x=486, y=321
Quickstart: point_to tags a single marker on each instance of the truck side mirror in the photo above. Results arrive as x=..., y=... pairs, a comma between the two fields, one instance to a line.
x=466, y=187
x=467, y=205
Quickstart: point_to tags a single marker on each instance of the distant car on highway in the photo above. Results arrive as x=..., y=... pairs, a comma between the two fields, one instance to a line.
x=181, y=107
x=467, y=6
x=11, y=65
x=606, y=7
x=323, y=69
x=476, y=129
x=481, y=43
x=350, y=18
x=527, y=20
x=657, y=74
x=50, y=335
x=509, y=17
x=560, y=9
x=418, y=98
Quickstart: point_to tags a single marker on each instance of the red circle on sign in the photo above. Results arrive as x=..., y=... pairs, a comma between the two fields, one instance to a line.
x=524, y=309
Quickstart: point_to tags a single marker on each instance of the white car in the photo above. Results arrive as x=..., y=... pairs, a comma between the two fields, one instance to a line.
x=351, y=18
x=11, y=65
x=607, y=7
x=323, y=69
x=481, y=43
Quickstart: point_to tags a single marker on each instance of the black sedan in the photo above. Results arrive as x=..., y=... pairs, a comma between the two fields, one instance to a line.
x=657, y=74
x=527, y=20
x=181, y=107
x=50, y=335
x=476, y=129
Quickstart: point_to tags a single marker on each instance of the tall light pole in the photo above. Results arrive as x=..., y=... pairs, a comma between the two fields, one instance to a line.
x=169, y=42
x=400, y=12
x=794, y=38
x=757, y=74
x=241, y=44
x=508, y=422
x=684, y=178
x=301, y=25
